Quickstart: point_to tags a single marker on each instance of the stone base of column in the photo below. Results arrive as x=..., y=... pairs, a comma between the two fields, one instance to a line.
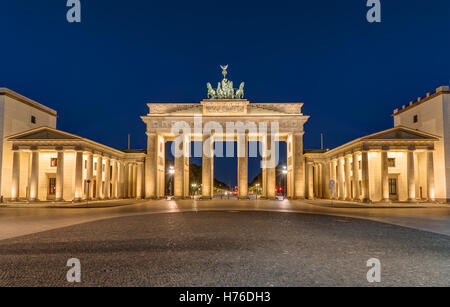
x=412, y=200
x=365, y=200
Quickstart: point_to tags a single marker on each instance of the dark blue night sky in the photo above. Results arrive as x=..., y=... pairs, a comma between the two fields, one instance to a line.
x=100, y=74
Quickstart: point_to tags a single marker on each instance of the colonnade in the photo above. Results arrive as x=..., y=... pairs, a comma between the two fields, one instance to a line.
x=156, y=167
x=78, y=174
x=368, y=175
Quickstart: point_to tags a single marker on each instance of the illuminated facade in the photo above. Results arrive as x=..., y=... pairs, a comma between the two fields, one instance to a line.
x=407, y=163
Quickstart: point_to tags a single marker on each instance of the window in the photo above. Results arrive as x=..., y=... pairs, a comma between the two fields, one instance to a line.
x=391, y=162
x=416, y=118
x=85, y=164
x=95, y=165
x=53, y=162
x=393, y=186
x=33, y=119
x=359, y=164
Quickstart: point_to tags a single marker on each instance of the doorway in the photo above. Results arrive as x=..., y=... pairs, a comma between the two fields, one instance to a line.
x=393, y=188
x=51, y=187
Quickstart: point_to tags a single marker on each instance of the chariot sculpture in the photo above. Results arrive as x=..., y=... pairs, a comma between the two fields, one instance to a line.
x=225, y=89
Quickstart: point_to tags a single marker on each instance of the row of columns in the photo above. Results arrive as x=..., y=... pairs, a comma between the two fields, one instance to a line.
x=122, y=179
x=155, y=168
x=347, y=174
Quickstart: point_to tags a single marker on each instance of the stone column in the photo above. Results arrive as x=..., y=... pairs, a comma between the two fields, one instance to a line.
x=242, y=147
x=125, y=179
x=114, y=179
x=15, y=184
x=269, y=174
x=151, y=165
x=187, y=184
x=299, y=176
x=340, y=176
x=310, y=167
x=130, y=180
x=326, y=180
x=90, y=174
x=208, y=167
x=319, y=180
x=60, y=176
x=99, y=178
x=34, y=180
x=355, y=178
x=430, y=176
x=135, y=175
x=181, y=178
x=316, y=181
x=348, y=184
x=365, y=176
x=79, y=176
x=121, y=180
x=263, y=183
x=107, y=187
x=411, y=185
x=385, y=176
x=139, y=180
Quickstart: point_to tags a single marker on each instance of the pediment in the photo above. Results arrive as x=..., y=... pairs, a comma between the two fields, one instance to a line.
x=44, y=134
x=400, y=133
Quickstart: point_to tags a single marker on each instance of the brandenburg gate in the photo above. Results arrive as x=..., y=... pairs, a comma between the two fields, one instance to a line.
x=224, y=117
